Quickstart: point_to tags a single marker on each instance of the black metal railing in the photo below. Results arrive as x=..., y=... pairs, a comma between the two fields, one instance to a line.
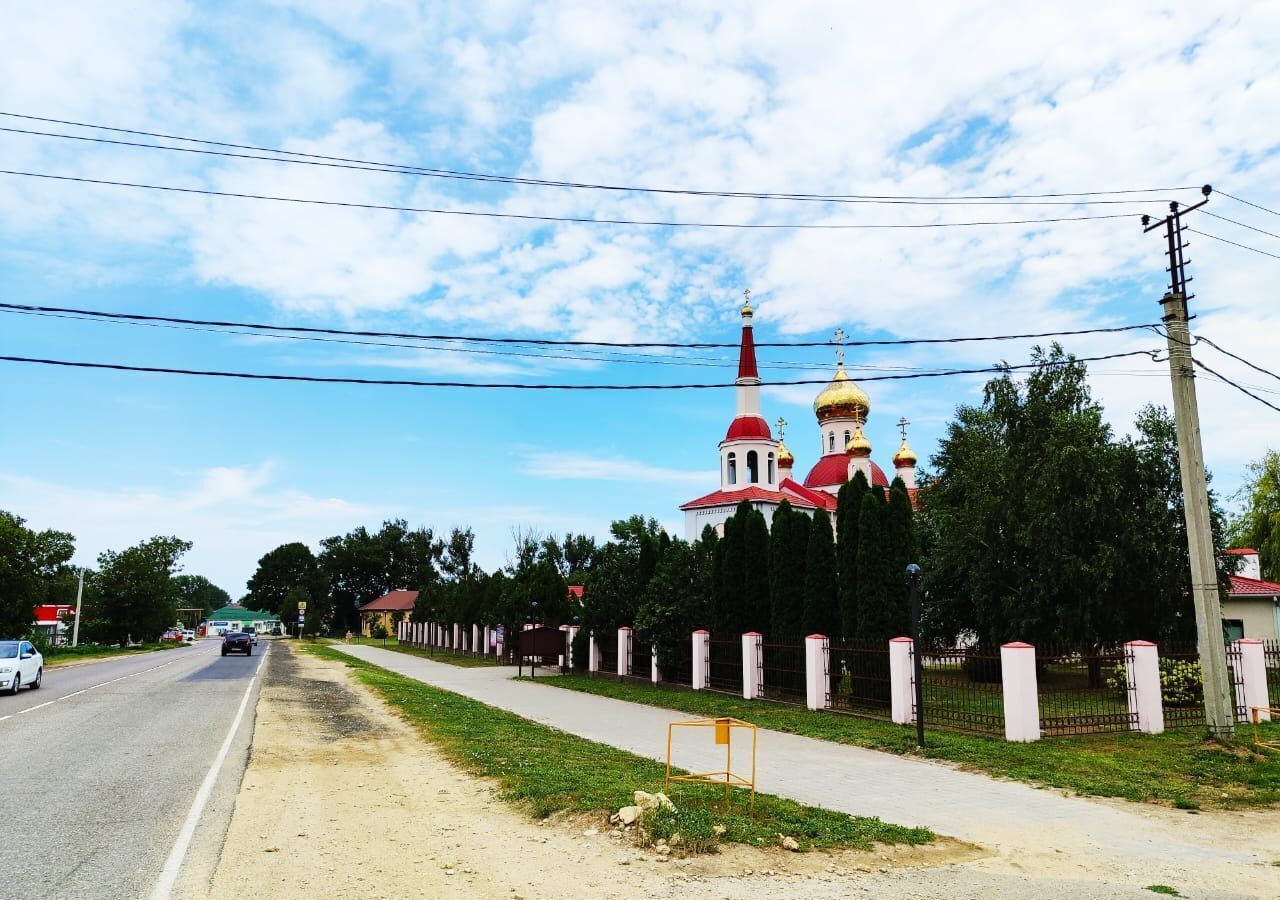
x=608, y=650
x=725, y=658
x=962, y=689
x=641, y=667
x=859, y=679
x=1083, y=692
x=1271, y=655
x=1181, y=686
x=1235, y=673
x=675, y=663
x=783, y=671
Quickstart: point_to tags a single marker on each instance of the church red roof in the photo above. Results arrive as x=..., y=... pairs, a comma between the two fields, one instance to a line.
x=833, y=469
x=753, y=494
x=747, y=355
x=748, y=427
x=1242, y=585
x=818, y=498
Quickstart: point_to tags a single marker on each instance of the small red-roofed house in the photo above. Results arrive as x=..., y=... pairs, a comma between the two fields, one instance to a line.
x=1252, y=607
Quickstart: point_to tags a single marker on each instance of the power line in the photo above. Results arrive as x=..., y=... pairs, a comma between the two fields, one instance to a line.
x=1238, y=358
x=1225, y=380
x=1232, y=243
x=581, y=220
x=1249, y=203
x=542, y=182
x=1241, y=224
x=318, y=379
x=305, y=329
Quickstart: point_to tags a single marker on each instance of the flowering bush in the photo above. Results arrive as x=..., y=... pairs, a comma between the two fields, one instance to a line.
x=1181, y=682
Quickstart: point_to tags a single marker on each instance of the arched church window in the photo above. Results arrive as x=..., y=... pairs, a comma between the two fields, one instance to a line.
x=831, y=442
x=753, y=467
x=733, y=469
x=846, y=439
x=772, y=478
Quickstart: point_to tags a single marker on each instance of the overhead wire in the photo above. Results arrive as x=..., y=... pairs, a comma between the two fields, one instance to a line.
x=1214, y=215
x=581, y=185
x=1225, y=380
x=1239, y=358
x=1247, y=202
x=1232, y=243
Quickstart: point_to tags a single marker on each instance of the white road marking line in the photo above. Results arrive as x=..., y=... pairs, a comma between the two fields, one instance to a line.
x=173, y=865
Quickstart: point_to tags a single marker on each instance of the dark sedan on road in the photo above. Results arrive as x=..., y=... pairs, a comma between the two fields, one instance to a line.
x=237, y=642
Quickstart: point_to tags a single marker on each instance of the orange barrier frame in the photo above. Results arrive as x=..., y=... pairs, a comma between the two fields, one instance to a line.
x=723, y=726
x=1255, y=718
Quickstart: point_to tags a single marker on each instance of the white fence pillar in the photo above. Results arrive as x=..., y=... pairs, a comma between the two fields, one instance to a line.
x=475, y=638
x=457, y=637
x=1142, y=674
x=1021, y=695
x=655, y=674
x=488, y=641
x=817, y=671
x=624, y=650
x=701, y=646
x=902, y=696
x=593, y=654
x=1250, y=663
x=752, y=659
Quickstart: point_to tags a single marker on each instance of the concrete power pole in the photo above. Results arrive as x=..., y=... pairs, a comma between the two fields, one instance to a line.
x=75, y=629
x=1219, y=707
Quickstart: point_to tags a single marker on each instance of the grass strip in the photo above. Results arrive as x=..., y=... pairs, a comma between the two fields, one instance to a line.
x=1182, y=767
x=67, y=655
x=548, y=771
x=440, y=655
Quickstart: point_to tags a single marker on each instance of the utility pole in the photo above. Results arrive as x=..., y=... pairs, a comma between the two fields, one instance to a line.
x=1219, y=707
x=75, y=629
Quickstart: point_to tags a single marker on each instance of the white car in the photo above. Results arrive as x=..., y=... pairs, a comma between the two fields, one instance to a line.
x=189, y=636
x=20, y=663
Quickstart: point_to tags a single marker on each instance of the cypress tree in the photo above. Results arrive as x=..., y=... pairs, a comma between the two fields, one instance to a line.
x=717, y=582
x=779, y=535
x=729, y=615
x=821, y=610
x=848, y=507
x=873, y=598
x=755, y=571
x=903, y=550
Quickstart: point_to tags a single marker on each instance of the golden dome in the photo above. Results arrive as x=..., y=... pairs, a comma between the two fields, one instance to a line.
x=785, y=458
x=858, y=444
x=842, y=399
x=904, y=457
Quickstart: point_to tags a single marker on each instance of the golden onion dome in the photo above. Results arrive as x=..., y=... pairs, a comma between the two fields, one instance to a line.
x=785, y=458
x=842, y=399
x=858, y=444
x=905, y=457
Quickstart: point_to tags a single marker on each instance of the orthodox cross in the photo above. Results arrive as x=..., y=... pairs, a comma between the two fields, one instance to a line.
x=746, y=296
x=839, y=339
x=781, y=425
x=902, y=426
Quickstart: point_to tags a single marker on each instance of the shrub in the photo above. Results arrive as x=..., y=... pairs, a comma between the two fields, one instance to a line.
x=1181, y=682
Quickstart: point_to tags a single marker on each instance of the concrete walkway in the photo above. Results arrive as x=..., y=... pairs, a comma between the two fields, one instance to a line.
x=1029, y=830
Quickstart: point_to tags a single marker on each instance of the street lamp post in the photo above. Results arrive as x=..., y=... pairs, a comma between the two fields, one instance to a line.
x=913, y=579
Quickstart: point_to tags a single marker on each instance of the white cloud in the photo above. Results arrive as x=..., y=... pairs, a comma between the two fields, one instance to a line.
x=584, y=466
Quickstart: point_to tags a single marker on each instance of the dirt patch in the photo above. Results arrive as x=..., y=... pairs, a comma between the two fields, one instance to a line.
x=342, y=799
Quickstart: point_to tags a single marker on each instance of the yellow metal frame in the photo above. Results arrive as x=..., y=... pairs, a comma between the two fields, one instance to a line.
x=723, y=726
x=1255, y=718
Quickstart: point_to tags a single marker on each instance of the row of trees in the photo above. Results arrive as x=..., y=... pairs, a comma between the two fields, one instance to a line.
x=133, y=593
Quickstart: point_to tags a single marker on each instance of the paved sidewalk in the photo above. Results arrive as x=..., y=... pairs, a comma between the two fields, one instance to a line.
x=1029, y=829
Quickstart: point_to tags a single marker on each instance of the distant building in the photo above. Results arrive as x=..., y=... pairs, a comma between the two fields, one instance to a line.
x=49, y=619
x=756, y=467
x=238, y=618
x=388, y=609
x=1252, y=607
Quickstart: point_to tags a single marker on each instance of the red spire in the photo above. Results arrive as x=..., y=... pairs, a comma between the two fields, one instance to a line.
x=747, y=353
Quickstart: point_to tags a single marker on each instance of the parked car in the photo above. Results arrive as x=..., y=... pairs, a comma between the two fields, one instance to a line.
x=189, y=636
x=237, y=642
x=253, y=635
x=20, y=663
x=277, y=631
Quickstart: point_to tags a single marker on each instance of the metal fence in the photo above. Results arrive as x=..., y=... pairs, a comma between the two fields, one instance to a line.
x=961, y=689
x=675, y=663
x=1271, y=653
x=641, y=658
x=608, y=650
x=725, y=658
x=1083, y=692
x=1182, y=687
x=859, y=683
x=783, y=672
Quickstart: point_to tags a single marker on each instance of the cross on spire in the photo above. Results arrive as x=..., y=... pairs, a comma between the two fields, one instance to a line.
x=746, y=295
x=902, y=426
x=781, y=425
x=839, y=340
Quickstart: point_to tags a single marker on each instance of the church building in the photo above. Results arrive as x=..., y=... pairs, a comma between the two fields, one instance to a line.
x=757, y=467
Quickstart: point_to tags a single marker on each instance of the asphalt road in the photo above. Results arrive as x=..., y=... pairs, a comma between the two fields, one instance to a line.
x=100, y=767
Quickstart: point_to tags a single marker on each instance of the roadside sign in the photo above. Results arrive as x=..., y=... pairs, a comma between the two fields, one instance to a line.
x=302, y=606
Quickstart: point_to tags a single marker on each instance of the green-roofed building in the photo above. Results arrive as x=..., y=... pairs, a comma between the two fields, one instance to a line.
x=239, y=618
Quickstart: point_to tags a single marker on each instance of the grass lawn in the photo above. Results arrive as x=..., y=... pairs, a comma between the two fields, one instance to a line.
x=66, y=655
x=548, y=771
x=1178, y=767
x=464, y=660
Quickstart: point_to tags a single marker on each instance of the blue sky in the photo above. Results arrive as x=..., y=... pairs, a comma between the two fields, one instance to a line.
x=997, y=99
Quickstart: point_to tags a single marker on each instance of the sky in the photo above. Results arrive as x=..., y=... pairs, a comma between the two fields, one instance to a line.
x=899, y=99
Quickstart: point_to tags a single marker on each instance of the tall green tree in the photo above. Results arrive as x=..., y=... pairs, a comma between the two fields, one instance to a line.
x=788, y=546
x=198, y=592
x=755, y=573
x=729, y=613
x=675, y=602
x=821, y=605
x=848, y=508
x=1258, y=524
x=903, y=548
x=875, y=615
x=132, y=595
x=361, y=566
x=281, y=570
x=29, y=561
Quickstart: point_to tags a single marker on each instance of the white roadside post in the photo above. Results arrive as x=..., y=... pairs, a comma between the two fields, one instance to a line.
x=752, y=659
x=1250, y=661
x=1021, y=694
x=901, y=678
x=655, y=674
x=817, y=671
x=701, y=644
x=457, y=637
x=1142, y=676
x=475, y=638
x=488, y=641
x=624, y=651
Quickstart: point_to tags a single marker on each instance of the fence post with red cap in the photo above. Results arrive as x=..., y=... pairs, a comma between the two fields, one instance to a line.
x=752, y=653
x=1142, y=677
x=701, y=656
x=817, y=668
x=624, y=651
x=1250, y=663
x=901, y=675
x=1021, y=694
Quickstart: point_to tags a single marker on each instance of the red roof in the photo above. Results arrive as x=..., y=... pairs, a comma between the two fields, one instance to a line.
x=50, y=612
x=833, y=469
x=1242, y=585
x=1242, y=551
x=747, y=355
x=753, y=494
x=395, y=601
x=575, y=590
x=748, y=427
x=817, y=498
